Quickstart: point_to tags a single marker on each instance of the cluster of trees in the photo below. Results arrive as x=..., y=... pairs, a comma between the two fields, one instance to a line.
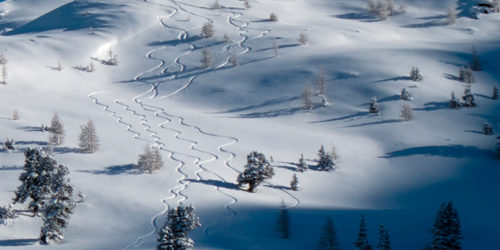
x=385, y=8
x=46, y=186
x=174, y=233
x=446, y=231
x=88, y=140
x=307, y=94
x=150, y=160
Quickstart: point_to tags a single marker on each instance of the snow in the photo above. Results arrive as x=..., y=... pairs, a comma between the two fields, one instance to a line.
x=206, y=121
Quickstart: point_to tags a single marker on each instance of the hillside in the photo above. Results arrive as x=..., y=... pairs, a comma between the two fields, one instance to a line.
x=205, y=120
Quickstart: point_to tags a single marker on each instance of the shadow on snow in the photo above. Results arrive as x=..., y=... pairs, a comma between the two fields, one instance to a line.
x=453, y=151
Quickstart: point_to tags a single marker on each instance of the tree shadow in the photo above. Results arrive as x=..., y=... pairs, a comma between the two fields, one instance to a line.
x=271, y=102
x=175, y=42
x=430, y=24
x=287, y=167
x=10, y=168
x=374, y=123
x=216, y=183
x=431, y=106
x=363, y=16
x=31, y=129
x=67, y=150
x=18, y=242
x=451, y=151
x=272, y=113
x=474, y=132
x=385, y=99
x=394, y=79
x=39, y=143
x=283, y=46
x=452, y=77
x=129, y=169
x=343, y=117
x=484, y=96
x=281, y=187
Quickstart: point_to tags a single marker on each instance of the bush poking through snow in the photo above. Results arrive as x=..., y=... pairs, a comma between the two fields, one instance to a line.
x=226, y=38
x=233, y=60
x=454, y=101
x=415, y=74
x=206, y=59
x=56, y=131
x=475, y=63
x=494, y=96
x=385, y=8
x=405, y=95
x=466, y=75
x=487, y=129
x=91, y=67
x=112, y=58
x=7, y=214
x=307, y=98
x=273, y=17
x=150, y=160
x=246, y=4
x=15, y=115
x=303, y=39
x=374, y=106
x=9, y=144
x=256, y=171
x=207, y=30
x=89, y=143
x=216, y=5
x=468, y=98
x=406, y=112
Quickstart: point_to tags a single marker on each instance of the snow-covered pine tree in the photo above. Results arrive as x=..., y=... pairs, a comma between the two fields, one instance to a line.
x=475, y=63
x=406, y=112
x=206, y=59
x=181, y=220
x=58, y=208
x=35, y=180
x=374, y=106
x=283, y=222
x=454, y=101
x=487, y=129
x=415, y=74
x=325, y=161
x=207, y=30
x=7, y=214
x=302, y=166
x=468, y=97
x=307, y=98
x=56, y=131
x=446, y=231
x=166, y=239
x=3, y=69
x=466, y=75
x=257, y=170
x=150, y=160
x=362, y=241
x=405, y=95
x=384, y=242
x=294, y=183
x=89, y=143
x=328, y=239
x=494, y=96
x=157, y=159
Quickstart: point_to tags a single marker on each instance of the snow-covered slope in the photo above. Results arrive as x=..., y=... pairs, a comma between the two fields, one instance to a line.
x=206, y=120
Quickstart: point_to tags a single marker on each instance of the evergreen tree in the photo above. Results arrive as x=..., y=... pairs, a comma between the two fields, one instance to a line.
x=383, y=241
x=294, y=183
x=487, y=129
x=59, y=208
x=328, y=239
x=326, y=161
x=180, y=221
x=468, y=98
x=283, y=222
x=475, y=63
x=166, y=239
x=56, y=131
x=405, y=95
x=257, y=170
x=374, y=106
x=89, y=143
x=206, y=59
x=302, y=164
x=454, y=101
x=406, y=112
x=36, y=179
x=494, y=96
x=307, y=98
x=415, y=74
x=446, y=231
x=362, y=241
x=466, y=75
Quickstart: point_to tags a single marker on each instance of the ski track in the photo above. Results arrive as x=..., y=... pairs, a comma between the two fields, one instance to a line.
x=176, y=191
